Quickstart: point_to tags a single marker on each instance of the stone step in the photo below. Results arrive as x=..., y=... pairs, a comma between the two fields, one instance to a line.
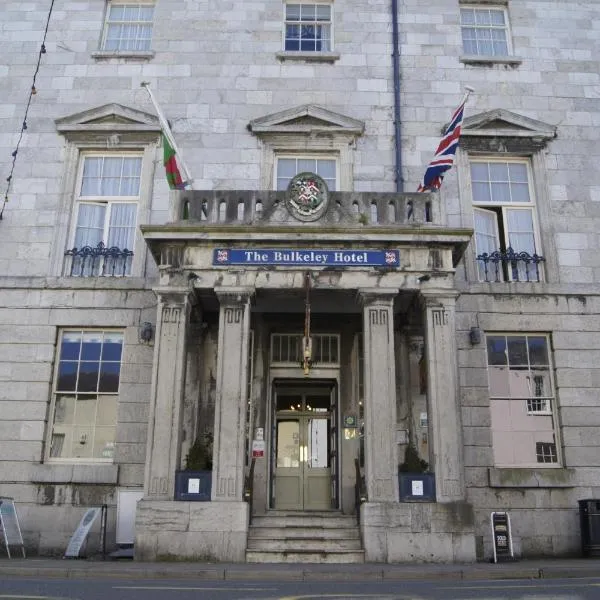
x=304, y=520
x=288, y=544
x=296, y=531
x=339, y=557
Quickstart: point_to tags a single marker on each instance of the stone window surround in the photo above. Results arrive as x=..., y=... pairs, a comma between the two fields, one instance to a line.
x=110, y=128
x=484, y=60
x=307, y=129
x=501, y=134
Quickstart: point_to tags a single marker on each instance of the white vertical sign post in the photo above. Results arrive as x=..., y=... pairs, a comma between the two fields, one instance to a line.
x=9, y=525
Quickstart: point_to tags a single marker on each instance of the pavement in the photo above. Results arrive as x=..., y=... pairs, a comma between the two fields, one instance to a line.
x=94, y=568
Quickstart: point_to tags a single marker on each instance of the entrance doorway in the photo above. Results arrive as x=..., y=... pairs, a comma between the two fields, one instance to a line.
x=304, y=447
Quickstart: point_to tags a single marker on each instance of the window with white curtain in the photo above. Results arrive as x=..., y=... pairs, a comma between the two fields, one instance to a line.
x=308, y=28
x=485, y=30
x=128, y=26
x=289, y=166
x=504, y=217
x=106, y=215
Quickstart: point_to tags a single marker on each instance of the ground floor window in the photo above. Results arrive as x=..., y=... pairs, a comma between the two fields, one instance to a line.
x=85, y=394
x=522, y=400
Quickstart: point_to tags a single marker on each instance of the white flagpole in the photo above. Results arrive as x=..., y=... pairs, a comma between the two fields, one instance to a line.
x=468, y=91
x=168, y=133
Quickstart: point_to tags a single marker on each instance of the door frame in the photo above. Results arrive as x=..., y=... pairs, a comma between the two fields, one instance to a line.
x=302, y=383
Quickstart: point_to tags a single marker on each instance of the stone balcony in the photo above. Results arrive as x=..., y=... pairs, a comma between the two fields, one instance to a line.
x=269, y=208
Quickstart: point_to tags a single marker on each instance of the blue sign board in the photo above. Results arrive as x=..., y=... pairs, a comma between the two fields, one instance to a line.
x=286, y=257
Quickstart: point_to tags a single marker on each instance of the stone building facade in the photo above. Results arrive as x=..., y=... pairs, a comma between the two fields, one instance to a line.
x=324, y=340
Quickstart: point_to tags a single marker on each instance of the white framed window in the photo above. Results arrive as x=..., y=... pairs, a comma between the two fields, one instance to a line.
x=485, y=30
x=308, y=27
x=288, y=166
x=506, y=235
x=84, y=395
x=522, y=400
x=106, y=215
x=128, y=26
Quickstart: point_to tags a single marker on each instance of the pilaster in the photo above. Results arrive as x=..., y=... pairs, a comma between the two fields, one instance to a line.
x=166, y=397
x=232, y=394
x=381, y=468
x=445, y=430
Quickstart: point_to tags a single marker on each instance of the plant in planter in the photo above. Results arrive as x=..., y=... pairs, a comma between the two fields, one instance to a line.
x=416, y=483
x=195, y=481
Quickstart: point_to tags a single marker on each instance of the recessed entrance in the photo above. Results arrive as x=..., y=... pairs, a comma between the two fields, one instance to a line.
x=304, y=446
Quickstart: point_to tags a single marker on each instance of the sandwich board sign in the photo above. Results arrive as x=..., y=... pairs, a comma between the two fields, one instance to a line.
x=81, y=533
x=9, y=525
x=501, y=536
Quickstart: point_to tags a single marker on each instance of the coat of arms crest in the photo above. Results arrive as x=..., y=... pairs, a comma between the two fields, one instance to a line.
x=307, y=197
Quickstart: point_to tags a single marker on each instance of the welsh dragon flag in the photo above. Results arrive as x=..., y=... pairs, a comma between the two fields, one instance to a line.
x=171, y=169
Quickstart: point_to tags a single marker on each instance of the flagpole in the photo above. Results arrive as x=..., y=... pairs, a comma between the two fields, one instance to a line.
x=468, y=91
x=164, y=124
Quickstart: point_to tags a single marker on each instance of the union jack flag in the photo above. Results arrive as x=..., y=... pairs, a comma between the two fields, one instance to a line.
x=444, y=155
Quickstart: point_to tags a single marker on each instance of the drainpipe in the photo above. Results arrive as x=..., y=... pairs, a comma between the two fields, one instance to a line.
x=397, y=122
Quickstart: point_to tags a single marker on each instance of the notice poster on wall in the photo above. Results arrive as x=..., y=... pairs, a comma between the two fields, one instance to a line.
x=258, y=448
x=502, y=536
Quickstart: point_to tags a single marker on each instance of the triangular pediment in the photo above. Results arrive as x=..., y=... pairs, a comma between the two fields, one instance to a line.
x=110, y=117
x=504, y=123
x=308, y=118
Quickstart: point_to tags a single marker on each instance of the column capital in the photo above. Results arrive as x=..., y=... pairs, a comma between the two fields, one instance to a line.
x=234, y=295
x=367, y=296
x=172, y=295
x=437, y=297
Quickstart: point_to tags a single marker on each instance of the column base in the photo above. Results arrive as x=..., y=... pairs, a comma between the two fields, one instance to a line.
x=418, y=532
x=191, y=531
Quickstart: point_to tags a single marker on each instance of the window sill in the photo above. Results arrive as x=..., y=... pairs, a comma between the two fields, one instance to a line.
x=90, y=473
x=143, y=55
x=475, y=59
x=549, y=477
x=324, y=57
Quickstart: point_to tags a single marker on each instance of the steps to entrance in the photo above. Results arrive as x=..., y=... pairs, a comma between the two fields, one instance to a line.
x=304, y=537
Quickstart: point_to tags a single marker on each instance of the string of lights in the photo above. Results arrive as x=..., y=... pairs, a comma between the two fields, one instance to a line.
x=32, y=92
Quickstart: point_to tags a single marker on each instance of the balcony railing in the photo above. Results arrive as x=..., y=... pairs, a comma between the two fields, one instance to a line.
x=347, y=209
x=509, y=266
x=98, y=261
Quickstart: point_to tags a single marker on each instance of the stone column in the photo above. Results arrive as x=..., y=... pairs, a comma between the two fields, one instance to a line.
x=232, y=394
x=166, y=396
x=445, y=434
x=381, y=467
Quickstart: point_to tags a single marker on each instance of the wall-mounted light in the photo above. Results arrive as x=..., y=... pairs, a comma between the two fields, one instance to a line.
x=475, y=336
x=146, y=332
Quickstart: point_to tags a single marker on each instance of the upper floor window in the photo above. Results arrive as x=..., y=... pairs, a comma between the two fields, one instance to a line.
x=106, y=214
x=485, y=30
x=506, y=238
x=308, y=28
x=85, y=392
x=128, y=27
x=522, y=400
x=289, y=166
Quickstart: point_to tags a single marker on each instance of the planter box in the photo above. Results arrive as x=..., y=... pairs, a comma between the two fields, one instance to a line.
x=417, y=487
x=194, y=486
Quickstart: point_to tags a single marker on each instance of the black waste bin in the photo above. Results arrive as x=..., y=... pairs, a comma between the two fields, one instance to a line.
x=589, y=520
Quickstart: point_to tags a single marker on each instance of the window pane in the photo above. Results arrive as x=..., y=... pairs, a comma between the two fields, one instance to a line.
x=500, y=192
x=109, y=377
x=307, y=165
x=323, y=12
x=91, y=346
x=518, y=172
x=498, y=382
x=83, y=442
x=88, y=377
x=467, y=16
x=104, y=445
x=85, y=410
x=326, y=169
x=286, y=167
x=292, y=12
x=538, y=350
x=496, y=348
x=497, y=17
x=64, y=410
x=67, y=376
x=106, y=411
x=112, y=347
x=70, y=346
x=498, y=172
x=517, y=350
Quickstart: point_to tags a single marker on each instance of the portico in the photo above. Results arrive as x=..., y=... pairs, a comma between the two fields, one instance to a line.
x=236, y=288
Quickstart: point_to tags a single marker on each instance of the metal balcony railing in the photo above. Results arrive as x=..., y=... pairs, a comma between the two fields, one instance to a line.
x=98, y=261
x=509, y=265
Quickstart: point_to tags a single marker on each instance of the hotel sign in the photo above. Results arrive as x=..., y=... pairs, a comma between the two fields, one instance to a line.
x=305, y=258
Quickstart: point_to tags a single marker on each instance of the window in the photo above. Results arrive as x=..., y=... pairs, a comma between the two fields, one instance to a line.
x=106, y=211
x=86, y=386
x=288, y=167
x=128, y=27
x=307, y=28
x=522, y=400
x=484, y=31
x=504, y=220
